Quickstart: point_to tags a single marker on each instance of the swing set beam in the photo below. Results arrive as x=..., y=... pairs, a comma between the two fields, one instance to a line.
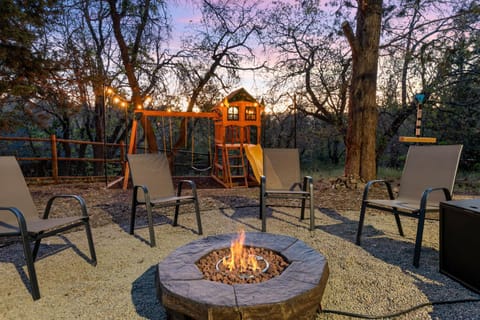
x=180, y=114
x=138, y=114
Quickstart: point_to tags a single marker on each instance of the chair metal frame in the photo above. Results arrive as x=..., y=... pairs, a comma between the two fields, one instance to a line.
x=299, y=188
x=30, y=228
x=144, y=189
x=425, y=197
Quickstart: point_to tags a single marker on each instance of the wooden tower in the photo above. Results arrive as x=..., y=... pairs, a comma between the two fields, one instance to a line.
x=238, y=125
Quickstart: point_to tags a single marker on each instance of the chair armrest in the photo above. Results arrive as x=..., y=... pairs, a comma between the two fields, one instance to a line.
x=427, y=192
x=374, y=182
x=79, y=199
x=192, y=184
x=22, y=224
x=295, y=185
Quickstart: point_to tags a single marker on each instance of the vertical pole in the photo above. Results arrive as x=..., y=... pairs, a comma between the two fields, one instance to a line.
x=418, y=124
x=123, y=159
x=105, y=138
x=54, y=158
x=131, y=149
x=295, y=120
x=419, y=100
x=126, y=129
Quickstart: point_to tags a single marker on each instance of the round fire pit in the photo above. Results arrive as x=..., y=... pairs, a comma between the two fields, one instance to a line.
x=294, y=294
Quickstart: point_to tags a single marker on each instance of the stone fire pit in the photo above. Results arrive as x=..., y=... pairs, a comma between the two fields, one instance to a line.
x=294, y=294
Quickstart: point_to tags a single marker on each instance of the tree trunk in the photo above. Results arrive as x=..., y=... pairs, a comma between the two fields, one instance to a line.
x=128, y=53
x=362, y=111
x=98, y=150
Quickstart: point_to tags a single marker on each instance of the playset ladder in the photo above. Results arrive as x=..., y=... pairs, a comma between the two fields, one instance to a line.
x=230, y=165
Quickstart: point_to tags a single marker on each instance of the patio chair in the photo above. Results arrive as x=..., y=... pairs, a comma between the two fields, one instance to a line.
x=281, y=179
x=428, y=178
x=153, y=187
x=19, y=217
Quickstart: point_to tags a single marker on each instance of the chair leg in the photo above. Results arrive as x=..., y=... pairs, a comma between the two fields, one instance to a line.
x=132, y=216
x=263, y=214
x=312, y=210
x=360, y=222
x=399, y=223
x=175, y=216
x=91, y=246
x=302, y=212
x=418, y=239
x=263, y=204
x=35, y=249
x=31, y=268
x=150, y=224
x=199, y=221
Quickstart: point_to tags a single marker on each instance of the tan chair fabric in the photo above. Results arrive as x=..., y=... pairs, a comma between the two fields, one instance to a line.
x=428, y=177
x=153, y=186
x=429, y=166
x=282, y=179
x=153, y=171
x=20, y=217
x=15, y=193
x=282, y=167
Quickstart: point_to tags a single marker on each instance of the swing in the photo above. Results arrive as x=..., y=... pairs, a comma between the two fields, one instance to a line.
x=193, y=150
x=164, y=134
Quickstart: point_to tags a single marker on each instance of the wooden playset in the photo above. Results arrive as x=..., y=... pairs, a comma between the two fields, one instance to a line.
x=237, y=127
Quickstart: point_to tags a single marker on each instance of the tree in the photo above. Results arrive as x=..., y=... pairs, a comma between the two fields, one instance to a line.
x=362, y=108
x=139, y=26
x=412, y=57
x=21, y=63
x=310, y=62
x=212, y=56
x=456, y=112
x=22, y=24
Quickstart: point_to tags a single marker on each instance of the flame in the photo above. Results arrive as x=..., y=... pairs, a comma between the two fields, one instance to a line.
x=240, y=258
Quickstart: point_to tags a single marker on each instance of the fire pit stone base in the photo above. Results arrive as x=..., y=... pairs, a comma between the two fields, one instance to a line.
x=295, y=294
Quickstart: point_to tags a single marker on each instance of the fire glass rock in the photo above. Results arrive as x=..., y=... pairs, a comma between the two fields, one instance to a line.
x=207, y=265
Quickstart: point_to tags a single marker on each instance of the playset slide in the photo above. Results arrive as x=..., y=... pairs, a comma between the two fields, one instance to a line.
x=254, y=154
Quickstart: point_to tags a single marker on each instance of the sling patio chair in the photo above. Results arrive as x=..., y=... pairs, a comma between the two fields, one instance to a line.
x=153, y=187
x=282, y=179
x=19, y=217
x=428, y=177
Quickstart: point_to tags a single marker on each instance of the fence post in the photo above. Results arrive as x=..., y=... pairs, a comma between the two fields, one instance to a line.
x=54, y=158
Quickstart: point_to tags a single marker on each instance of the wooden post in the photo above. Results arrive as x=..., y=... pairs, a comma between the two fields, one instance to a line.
x=418, y=123
x=54, y=158
x=122, y=156
x=131, y=150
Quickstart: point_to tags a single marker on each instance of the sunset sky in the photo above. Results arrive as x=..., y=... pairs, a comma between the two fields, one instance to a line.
x=184, y=13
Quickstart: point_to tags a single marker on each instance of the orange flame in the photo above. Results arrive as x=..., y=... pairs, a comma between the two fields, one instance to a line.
x=240, y=258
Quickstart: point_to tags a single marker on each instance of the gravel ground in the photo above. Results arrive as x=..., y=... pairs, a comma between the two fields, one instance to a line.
x=376, y=279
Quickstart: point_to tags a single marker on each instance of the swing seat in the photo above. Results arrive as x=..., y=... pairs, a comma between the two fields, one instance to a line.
x=201, y=169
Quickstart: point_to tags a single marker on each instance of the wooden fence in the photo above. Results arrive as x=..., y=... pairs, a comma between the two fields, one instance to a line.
x=52, y=158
